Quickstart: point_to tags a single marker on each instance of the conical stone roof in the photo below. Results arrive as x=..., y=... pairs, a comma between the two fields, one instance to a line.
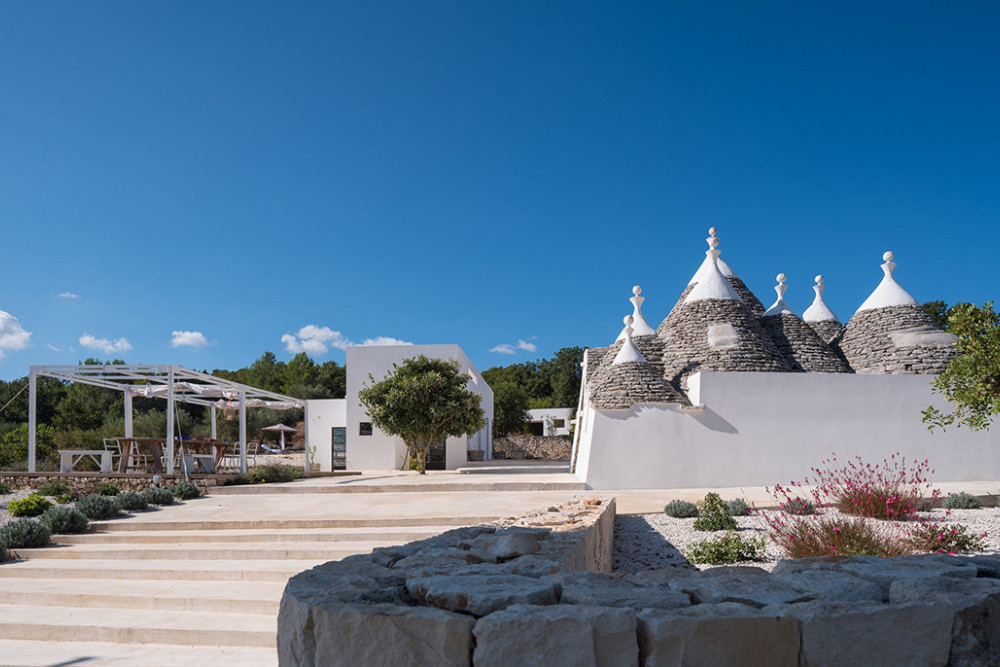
x=801, y=347
x=891, y=333
x=712, y=330
x=627, y=378
x=820, y=318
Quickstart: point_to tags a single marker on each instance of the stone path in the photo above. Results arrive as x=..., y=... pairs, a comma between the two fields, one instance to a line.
x=201, y=582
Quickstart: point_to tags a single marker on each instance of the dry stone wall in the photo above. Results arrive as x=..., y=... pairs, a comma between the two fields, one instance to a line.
x=803, y=350
x=81, y=483
x=827, y=330
x=546, y=447
x=536, y=590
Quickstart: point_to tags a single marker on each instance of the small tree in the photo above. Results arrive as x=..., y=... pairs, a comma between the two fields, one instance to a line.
x=971, y=381
x=423, y=401
x=510, y=409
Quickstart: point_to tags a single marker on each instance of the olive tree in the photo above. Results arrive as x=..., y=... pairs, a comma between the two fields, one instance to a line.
x=423, y=400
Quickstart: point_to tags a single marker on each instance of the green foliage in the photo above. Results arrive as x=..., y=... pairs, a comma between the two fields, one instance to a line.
x=33, y=505
x=4, y=489
x=14, y=449
x=157, y=496
x=548, y=383
x=105, y=489
x=54, y=489
x=798, y=506
x=130, y=501
x=738, y=507
x=713, y=514
x=961, y=501
x=510, y=408
x=423, y=401
x=945, y=538
x=836, y=536
x=97, y=507
x=681, y=509
x=184, y=490
x=728, y=548
x=971, y=381
x=24, y=534
x=3, y=553
x=64, y=520
x=271, y=473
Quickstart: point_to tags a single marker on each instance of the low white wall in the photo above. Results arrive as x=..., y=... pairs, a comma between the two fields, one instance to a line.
x=759, y=429
x=322, y=416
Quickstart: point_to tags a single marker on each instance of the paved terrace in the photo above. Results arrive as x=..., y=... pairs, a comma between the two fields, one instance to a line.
x=200, y=582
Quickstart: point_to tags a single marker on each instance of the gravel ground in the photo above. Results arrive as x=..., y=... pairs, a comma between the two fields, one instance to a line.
x=655, y=541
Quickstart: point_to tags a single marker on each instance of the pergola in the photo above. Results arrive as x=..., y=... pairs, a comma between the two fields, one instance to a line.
x=174, y=383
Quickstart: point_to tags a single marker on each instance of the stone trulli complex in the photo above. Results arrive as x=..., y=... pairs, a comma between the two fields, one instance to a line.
x=726, y=393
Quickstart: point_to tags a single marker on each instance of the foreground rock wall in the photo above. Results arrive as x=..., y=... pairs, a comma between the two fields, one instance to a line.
x=82, y=482
x=550, y=447
x=535, y=591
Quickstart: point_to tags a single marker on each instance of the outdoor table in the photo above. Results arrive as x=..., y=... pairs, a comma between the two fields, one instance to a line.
x=208, y=452
x=152, y=447
x=68, y=458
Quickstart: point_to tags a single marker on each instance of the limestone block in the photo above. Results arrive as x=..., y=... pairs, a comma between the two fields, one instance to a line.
x=866, y=633
x=658, y=577
x=586, y=588
x=746, y=585
x=480, y=595
x=581, y=636
x=975, y=638
x=832, y=586
x=883, y=571
x=719, y=634
x=379, y=634
x=504, y=546
x=347, y=581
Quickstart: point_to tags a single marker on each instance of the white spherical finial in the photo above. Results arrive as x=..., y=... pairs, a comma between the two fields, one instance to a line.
x=819, y=280
x=711, y=231
x=781, y=277
x=628, y=320
x=887, y=257
x=637, y=290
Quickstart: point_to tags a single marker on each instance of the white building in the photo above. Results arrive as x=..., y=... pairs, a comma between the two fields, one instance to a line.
x=551, y=421
x=726, y=393
x=344, y=437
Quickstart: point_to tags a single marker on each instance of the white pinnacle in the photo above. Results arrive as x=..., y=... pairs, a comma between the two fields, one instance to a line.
x=641, y=326
x=713, y=285
x=628, y=351
x=705, y=268
x=888, y=293
x=779, y=306
x=819, y=311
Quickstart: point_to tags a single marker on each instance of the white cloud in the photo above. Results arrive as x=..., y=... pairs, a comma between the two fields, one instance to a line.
x=12, y=335
x=507, y=348
x=188, y=339
x=68, y=295
x=52, y=347
x=315, y=340
x=105, y=345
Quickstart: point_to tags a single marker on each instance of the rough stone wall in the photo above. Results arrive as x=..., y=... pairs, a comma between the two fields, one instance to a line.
x=802, y=349
x=827, y=331
x=536, y=591
x=84, y=482
x=651, y=348
x=867, y=342
x=686, y=348
x=524, y=446
x=750, y=300
x=620, y=386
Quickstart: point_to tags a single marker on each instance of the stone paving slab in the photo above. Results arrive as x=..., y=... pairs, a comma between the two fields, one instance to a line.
x=20, y=653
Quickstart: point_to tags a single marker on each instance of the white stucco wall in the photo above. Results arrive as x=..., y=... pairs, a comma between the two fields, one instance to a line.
x=322, y=416
x=545, y=415
x=383, y=452
x=759, y=429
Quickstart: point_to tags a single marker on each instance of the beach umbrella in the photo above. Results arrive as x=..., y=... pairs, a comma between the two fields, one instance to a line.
x=281, y=428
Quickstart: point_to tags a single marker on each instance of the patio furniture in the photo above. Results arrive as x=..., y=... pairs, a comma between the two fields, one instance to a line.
x=143, y=454
x=231, y=460
x=68, y=458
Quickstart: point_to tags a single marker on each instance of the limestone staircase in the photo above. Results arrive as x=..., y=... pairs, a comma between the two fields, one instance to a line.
x=173, y=592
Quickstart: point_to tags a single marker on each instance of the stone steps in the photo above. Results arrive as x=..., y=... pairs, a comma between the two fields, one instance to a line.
x=446, y=522
x=428, y=487
x=158, y=570
x=28, y=653
x=250, y=536
x=135, y=626
x=215, y=550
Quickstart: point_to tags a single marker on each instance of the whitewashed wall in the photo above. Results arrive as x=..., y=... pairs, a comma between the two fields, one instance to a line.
x=380, y=451
x=759, y=429
x=322, y=416
x=544, y=416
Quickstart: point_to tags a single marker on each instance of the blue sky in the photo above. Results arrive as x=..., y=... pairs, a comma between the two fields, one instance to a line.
x=283, y=176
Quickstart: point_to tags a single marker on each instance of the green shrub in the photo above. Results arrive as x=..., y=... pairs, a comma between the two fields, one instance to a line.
x=33, y=505
x=105, y=489
x=944, y=538
x=65, y=498
x=14, y=448
x=269, y=474
x=64, y=520
x=713, y=514
x=836, y=536
x=54, y=489
x=157, y=496
x=729, y=548
x=681, y=509
x=184, y=490
x=798, y=507
x=4, y=489
x=3, y=553
x=130, y=501
x=738, y=507
x=24, y=534
x=96, y=506
x=961, y=501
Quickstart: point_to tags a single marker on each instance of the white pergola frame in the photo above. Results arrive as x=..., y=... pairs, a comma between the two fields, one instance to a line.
x=175, y=383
